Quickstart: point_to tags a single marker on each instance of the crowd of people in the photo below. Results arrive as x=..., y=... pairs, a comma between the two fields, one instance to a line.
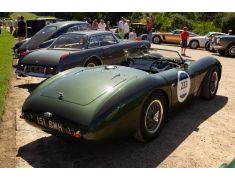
x=123, y=27
x=17, y=27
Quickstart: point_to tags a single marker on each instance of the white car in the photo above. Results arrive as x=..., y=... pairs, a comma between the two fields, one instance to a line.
x=201, y=41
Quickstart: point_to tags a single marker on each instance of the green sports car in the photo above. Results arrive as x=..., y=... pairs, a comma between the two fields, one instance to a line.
x=104, y=102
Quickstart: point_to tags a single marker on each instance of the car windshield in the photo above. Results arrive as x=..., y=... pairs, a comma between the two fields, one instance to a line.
x=155, y=54
x=48, y=29
x=70, y=41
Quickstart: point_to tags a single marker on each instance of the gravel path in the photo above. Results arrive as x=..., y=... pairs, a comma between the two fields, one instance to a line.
x=202, y=134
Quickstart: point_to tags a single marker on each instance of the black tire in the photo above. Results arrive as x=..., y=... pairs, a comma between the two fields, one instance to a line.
x=210, y=83
x=207, y=46
x=153, y=115
x=91, y=63
x=221, y=52
x=156, y=39
x=194, y=44
x=230, y=51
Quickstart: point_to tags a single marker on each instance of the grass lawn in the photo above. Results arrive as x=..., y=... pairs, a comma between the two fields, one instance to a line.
x=6, y=43
x=27, y=15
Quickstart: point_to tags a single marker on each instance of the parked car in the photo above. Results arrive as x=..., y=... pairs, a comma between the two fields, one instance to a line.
x=225, y=45
x=49, y=33
x=171, y=37
x=201, y=41
x=85, y=48
x=35, y=25
x=112, y=101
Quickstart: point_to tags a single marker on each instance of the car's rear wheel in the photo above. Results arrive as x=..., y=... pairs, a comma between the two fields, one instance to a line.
x=221, y=52
x=156, y=39
x=194, y=44
x=210, y=83
x=152, y=117
x=230, y=51
x=91, y=63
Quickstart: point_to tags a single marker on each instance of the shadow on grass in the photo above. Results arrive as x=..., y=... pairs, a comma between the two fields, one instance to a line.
x=59, y=152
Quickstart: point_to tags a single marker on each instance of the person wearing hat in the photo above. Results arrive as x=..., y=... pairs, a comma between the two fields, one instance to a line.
x=184, y=40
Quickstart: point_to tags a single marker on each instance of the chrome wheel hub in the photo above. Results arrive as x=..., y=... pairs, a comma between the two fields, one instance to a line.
x=214, y=82
x=153, y=116
x=232, y=50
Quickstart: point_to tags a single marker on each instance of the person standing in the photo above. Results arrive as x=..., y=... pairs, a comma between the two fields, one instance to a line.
x=149, y=27
x=184, y=40
x=10, y=24
x=101, y=25
x=108, y=26
x=126, y=29
x=94, y=25
x=0, y=26
x=21, y=29
x=121, y=27
x=132, y=35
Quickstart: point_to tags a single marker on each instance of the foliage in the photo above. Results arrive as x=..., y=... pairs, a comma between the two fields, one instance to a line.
x=178, y=21
x=6, y=43
x=228, y=23
x=27, y=15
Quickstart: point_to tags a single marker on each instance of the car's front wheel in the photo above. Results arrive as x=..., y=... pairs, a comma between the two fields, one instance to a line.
x=153, y=115
x=194, y=44
x=210, y=83
x=230, y=51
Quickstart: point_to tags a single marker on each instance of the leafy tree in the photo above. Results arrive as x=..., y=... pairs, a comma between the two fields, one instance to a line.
x=179, y=21
x=228, y=23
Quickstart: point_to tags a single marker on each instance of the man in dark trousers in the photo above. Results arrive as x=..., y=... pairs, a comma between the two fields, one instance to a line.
x=21, y=29
x=184, y=40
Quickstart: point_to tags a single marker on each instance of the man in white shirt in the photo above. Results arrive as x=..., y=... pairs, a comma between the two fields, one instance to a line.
x=126, y=29
x=132, y=35
x=101, y=25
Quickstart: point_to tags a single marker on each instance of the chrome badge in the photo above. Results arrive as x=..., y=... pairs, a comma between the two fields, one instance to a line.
x=48, y=114
x=61, y=95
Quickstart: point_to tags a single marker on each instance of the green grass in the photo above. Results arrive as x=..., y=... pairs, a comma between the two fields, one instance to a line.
x=27, y=15
x=6, y=43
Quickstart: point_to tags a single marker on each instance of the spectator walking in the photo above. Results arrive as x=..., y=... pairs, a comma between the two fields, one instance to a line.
x=108, y=26
x=149, y=27
x=10, y=24
x=121, y=27
x=184, y=40
x=101, y=25
x=132, y=35
x=94, y=25
x=126, y=29
x=21, y=29
x=0, y=25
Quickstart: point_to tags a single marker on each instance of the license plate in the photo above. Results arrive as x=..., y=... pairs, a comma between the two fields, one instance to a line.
x=54, y=125
x=35, y=69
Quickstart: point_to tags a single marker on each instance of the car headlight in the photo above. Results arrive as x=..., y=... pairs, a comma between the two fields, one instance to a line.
x=218, y=41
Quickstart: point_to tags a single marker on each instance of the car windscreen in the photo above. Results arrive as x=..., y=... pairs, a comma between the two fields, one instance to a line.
x=48, y=30
x=70, y=41
x=155, y=54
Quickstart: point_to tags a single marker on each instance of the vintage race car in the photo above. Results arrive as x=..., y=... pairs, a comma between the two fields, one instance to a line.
x=171, y=37
x=111, y=101
x=85, y=48
x=201, y=41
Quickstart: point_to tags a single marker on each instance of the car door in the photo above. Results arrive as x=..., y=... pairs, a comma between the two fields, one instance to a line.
x=181, y=82
x=112, y=50
x=176, y=38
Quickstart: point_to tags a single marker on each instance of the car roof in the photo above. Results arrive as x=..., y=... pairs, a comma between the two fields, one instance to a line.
x=90, y=32
x=65, y=23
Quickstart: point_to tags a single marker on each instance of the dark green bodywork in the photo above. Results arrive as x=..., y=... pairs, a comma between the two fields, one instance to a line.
x=106, y=103
x=228, y=165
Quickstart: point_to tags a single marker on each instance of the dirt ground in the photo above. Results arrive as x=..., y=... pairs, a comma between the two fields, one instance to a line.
x=202, y=134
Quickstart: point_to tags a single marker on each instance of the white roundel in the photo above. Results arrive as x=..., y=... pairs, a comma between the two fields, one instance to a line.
x=183, y=86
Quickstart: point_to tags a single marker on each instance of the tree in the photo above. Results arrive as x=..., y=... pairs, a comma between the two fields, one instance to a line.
x=228, y=23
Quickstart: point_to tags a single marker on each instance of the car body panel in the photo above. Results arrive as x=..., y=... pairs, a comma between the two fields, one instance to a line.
x=172, y=37
x=66, y=58
x=109, y=102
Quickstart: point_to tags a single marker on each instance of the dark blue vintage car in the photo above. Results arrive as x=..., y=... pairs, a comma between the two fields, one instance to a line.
x=84, y=48
x=47, y=35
